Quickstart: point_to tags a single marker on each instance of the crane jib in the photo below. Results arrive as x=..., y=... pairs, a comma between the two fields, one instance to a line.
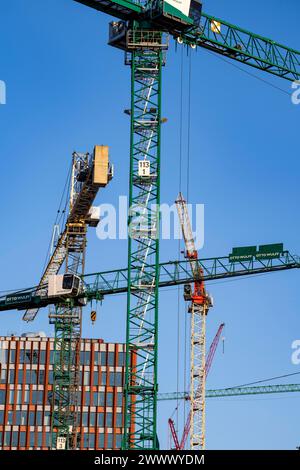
x=173, y=273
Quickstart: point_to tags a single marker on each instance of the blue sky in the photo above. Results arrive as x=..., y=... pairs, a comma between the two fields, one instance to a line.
x=66, y=91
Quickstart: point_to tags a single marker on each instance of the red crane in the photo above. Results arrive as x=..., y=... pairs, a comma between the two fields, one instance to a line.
x=209, y=360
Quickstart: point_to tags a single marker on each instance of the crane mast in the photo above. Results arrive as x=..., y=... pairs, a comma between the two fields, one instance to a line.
x=200, y=304
x=89, y=173
x=144, y=54
x=208, y=363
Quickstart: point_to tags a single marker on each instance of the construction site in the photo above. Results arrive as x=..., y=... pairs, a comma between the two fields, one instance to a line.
x=150, y=249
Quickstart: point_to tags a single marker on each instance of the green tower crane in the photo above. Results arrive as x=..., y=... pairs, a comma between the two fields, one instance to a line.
x=142, y=32
x=234, y=392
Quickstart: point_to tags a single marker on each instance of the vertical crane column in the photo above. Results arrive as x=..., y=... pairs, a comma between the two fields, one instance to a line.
x=67, y=323
x=199, y=306
x=198, y=375
x=144, y=54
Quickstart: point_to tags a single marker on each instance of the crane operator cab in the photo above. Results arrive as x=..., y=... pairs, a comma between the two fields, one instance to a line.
x=176, y=15
x=63, y=285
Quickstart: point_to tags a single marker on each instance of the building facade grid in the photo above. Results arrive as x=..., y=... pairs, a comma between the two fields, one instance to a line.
x=26, y=380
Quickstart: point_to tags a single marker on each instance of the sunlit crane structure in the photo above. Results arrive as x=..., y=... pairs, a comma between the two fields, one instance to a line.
x=142, y=31
x=89, y=173
x=96, y=286
x=200, y=303
x=210, y=356
x=234, y=392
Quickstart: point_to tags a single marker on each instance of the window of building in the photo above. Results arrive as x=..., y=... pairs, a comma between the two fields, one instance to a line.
x=23, y=418
x=39, y=418
x=10, y=416
x=103, y=378
x=41, y=377
x=110, y=441
x=118, y=379
x=48, y=439
x=2, y=375
x=119, y=399
x=100, y=420
x=34, y=377
x=22, y=439
x=34, y=397
x=7, y=438
x=12, y=356
x=109, y=399
x=81, y=357
x=121, y=359
x=14, y=439
x=87, y=398
x=11, y=397
x=103, y=358
x=97, y=356
x=28, y=376
x=39, y=439
x=1, y=419
x=91, y=440
x=35, y=357
x=20, y=376
x=92, y=419
x=111, y=358
x=31, y=438
x=101, y=398
x=26, y=397
x=109, y=420
x=22, y=356
x=101, y=441
x=86, y=440
x=98, y=398
x=47, y=419
x=86, y=377
x=95, y=398
x=52, y=357
x=28, y=356
x=17, y=418
x=50, y=377
x=42, y=357
x=11, y=376
x=85, y=418
x=118, y=441
x=119, y=419
x=3, y=355
x=31, y=418
x=87, y=358
x=40, y=397
x=96, y=377
x=111, y=379
x=2, y=397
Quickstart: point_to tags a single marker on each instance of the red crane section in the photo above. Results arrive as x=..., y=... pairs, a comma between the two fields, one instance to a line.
x=209, y=360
